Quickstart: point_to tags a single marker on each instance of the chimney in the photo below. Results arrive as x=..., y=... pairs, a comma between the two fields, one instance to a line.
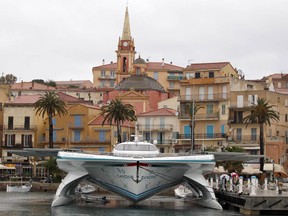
x=162, y=62
x=103, y=62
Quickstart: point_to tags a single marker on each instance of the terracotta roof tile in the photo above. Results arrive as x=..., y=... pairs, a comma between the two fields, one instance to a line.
x=206, y=66
x=106, y=66
x=24, y=99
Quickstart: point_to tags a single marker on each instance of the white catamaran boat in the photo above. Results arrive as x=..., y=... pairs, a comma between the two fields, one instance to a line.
x=135, y=170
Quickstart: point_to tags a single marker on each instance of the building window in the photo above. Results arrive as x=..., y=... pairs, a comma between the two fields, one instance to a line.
x=155, y=75
x=10, y=122
x=102, y=135
x=209, y=109
x=286, y=136
x=112, y=74
x=171, y=85
x=9, y=140
x=77, y=134
x=197, y=75
x=239, y=134
x=252, y=99
x=27, y=123
x=211, y=74
x=253, y=134
x=147, y=136
x=53, y=121
x=112, y=83
x=26, y=140
x=103, y=73
x=223, y=110
x=102, y=83
x=54, y=135
x=138, y=71
x=279, y=84
x=286, y=117
x=238, y=116
x=77, y=121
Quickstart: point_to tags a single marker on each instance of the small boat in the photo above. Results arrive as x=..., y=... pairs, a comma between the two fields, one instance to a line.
x=18, y=187
x=85, y=189
x=93, y=199
x=182, y=191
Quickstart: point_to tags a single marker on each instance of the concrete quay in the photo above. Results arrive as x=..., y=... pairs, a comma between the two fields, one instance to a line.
x=267, y=202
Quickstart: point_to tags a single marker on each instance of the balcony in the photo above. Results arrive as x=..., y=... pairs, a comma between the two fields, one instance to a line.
x=204, y=97
x=201, y=136
x=107, y=77
x=17, y=145
x=174, y=78
x=243, y=139
x=199, y=117
x=154, y=127
x=19, y=128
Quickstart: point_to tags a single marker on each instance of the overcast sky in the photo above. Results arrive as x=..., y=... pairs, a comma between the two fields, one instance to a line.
x=63, y=39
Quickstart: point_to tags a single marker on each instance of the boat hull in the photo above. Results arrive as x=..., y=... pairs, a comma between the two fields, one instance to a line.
x=19, y=189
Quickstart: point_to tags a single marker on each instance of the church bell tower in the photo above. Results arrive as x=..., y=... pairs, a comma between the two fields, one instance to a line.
x=125, y=52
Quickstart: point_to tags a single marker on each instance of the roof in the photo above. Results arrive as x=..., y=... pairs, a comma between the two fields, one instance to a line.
x=277, y=76
x=139, y=83
x=24, y=100
x=207, y=66
x=31, y=86
x=69, y=99
x=162, y=66
x=110, y=66
x=139, y=61
x=159, y=112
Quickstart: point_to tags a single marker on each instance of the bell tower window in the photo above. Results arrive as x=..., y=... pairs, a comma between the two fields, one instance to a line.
x=124, y=64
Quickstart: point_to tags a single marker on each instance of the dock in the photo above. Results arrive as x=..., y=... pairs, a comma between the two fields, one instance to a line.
x=267, y=202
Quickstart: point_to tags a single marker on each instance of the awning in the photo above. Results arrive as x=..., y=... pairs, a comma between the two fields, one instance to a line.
x=278, y=169
x=6, y=167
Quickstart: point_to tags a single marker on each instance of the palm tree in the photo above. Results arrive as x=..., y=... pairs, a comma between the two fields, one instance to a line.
x=118, y=112
x=189, y=109
x=262, y=113
x=49, y=104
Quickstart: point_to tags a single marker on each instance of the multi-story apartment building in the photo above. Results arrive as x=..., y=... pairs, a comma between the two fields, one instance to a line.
x=161, y=125
x=19, y=131
x=206, y=85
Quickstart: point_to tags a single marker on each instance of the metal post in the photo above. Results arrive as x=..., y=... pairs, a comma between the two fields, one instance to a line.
x=192, y=126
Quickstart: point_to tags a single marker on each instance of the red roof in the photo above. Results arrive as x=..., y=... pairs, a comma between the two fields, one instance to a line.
x=159, y=112
x=206, y=66
x=106, y=66
x=24, y=99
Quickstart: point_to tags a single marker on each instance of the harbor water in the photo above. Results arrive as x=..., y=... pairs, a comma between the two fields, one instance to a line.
x=39, y=204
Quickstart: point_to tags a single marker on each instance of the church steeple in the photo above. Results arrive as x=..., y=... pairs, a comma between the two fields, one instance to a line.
x=126, y=35
x=125, y=52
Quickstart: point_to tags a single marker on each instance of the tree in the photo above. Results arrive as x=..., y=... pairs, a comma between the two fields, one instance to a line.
x=262, y=113
x=8, y=79
x=49, y=104
x=118, y=112
x=189, y=110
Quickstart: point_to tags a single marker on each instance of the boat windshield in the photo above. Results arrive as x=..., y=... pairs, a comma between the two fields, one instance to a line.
x=134, y=147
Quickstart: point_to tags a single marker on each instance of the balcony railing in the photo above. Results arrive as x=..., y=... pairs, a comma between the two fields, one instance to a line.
x=161, y=142
x=207, y=116
x=153, y=127
x=19, y=127
x=171, y=78
x=244, y=139
x=203, y=136
x=204, y=97
x=17, y=145
x=107, y=77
